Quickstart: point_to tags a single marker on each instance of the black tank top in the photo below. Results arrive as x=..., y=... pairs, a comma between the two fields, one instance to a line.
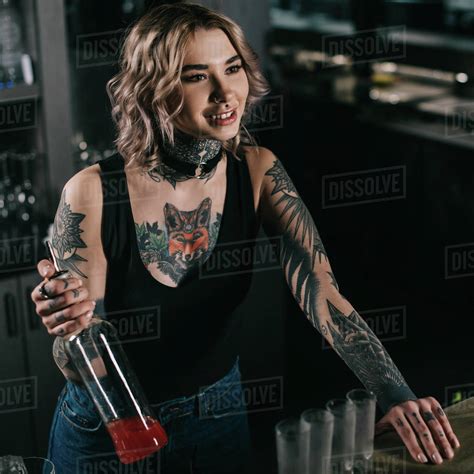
x=178, y=339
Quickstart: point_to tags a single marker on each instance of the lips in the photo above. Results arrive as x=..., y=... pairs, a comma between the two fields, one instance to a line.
x=221, y=113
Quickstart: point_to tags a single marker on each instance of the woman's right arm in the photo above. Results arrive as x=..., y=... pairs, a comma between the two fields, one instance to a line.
x=77, y=246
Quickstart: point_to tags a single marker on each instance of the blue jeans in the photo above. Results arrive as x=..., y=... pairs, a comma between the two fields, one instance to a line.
x=208, y=433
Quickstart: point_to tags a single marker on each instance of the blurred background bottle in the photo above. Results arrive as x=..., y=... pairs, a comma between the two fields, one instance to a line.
x=11, y=43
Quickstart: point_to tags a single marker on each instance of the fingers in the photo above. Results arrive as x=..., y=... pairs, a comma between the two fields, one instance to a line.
x=424, y=433
x=45, y=268
x=69, y=297
x=55, y=287
x=444, y=422
x=407, y=434
x=437, y=430
x=61, y=319
x=69, y=327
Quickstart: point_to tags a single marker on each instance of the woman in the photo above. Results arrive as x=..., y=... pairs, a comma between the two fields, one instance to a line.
x=143, y=229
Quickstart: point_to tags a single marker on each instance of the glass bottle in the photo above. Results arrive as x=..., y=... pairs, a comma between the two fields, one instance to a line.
x=99, y=359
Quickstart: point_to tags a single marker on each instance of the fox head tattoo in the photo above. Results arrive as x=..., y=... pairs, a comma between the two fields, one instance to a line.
x=188, y=232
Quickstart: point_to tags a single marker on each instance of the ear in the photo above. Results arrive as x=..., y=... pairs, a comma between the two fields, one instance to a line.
x=172, y=217
x=204, y=213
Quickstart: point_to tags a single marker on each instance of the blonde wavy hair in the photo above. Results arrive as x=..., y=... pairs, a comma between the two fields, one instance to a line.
x=145, y=91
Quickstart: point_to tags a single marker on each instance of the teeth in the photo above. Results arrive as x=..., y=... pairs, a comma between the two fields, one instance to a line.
x=222, y=116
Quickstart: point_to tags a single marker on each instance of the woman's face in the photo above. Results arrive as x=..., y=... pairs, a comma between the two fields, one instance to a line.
x=212, y=76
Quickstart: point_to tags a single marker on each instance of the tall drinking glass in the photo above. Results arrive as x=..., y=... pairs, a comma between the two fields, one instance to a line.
x=343, y=440
x=32, y=465
x=365, y=404
x=321, y=427
x=292, y=443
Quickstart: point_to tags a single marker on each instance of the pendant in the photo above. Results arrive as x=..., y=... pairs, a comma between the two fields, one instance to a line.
x=199, y=172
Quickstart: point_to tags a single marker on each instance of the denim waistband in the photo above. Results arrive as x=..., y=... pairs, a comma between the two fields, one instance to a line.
x=200, y=403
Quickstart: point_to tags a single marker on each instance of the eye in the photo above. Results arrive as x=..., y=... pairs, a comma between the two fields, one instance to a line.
x=196, y=77
x=193, y=78
x=236, y=68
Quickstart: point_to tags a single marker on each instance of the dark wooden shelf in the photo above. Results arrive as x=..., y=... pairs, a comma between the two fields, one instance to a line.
x=20, y=92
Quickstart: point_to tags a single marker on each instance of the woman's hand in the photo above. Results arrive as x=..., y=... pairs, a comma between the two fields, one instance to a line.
x=67, y=308
x=424, y=420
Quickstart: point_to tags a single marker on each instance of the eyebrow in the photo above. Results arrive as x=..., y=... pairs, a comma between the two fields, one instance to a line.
x=188, y=67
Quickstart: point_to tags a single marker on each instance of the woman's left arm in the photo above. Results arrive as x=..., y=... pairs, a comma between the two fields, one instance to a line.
x=308, y=273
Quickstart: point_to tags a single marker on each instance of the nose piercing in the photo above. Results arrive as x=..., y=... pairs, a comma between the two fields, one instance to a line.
x=216, y=100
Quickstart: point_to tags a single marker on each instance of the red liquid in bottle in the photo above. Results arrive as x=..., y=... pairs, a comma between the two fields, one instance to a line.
x=134, y=440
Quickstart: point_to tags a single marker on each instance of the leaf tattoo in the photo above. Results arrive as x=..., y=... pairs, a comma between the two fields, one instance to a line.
x=296, y=210
x=66, y=236
x=295, y=260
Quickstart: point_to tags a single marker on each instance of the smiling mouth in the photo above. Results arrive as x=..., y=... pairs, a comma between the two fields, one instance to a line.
x=223, y=116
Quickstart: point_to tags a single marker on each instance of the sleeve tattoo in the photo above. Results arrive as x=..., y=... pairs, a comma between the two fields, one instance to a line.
x=309, y=276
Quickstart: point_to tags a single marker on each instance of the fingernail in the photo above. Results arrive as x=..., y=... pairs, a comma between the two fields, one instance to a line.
x=89, y=314
x=422, y=458
x=94, y=303
x=45, y=270
x=456, y=442
x=80, y=282
x=437, y=458
x=449, y=452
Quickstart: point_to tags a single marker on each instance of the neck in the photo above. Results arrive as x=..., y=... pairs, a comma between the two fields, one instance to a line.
x=190, y=149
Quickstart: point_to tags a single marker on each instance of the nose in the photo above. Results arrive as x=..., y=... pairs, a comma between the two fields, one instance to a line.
x=222, y=93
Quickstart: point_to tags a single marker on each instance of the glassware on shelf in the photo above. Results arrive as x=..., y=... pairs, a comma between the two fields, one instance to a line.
x=32, y=465
x=86, y=153
x=365, y=406
x=292, y=443
x=343, y=441
x=320, y=424
x=18, y=200
x=11, y=43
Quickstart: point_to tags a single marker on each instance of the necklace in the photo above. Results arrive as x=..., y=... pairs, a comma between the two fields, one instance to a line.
x=191, y=156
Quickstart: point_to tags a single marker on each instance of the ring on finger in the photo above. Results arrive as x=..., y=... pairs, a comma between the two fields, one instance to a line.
x=42, y=291
x=60, y=318
x=428, y=416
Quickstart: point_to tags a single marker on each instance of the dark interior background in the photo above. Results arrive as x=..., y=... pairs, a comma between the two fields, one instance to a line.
x=390, y=253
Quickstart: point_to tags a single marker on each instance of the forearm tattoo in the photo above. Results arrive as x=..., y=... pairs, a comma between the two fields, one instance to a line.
x=352, y=338
x=66, y=239
x=363, y=352
x=334, y=283
x=303, y=283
